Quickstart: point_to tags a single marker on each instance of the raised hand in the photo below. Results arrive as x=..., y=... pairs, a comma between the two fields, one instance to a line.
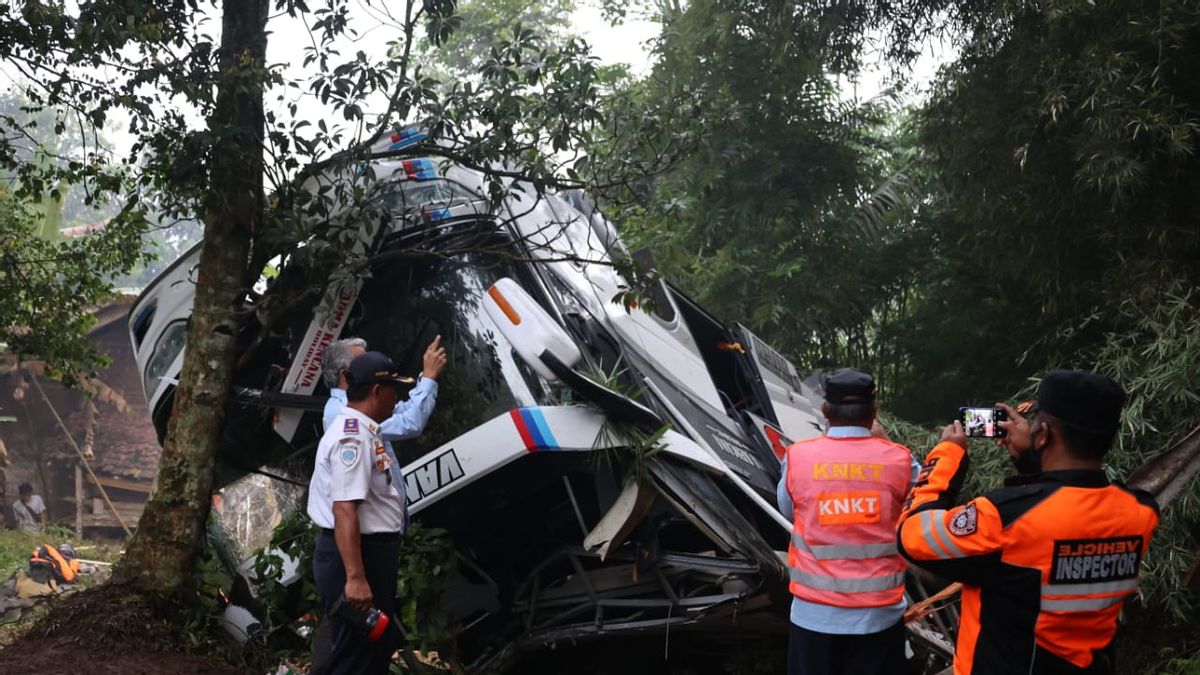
x=435, y=359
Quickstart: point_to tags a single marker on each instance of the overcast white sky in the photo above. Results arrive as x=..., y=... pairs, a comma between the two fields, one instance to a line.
x=626, y=43
x=615, y=44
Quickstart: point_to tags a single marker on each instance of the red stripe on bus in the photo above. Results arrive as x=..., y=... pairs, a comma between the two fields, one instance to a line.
x=523, y=429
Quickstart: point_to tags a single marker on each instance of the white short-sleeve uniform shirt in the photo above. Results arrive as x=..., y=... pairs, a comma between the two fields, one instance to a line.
x=352, y=465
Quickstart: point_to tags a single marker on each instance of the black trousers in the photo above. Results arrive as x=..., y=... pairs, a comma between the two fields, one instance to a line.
x=813, y=653
x=339, y=649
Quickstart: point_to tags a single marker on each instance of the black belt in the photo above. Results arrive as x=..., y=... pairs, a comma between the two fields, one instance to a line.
x=377, y=536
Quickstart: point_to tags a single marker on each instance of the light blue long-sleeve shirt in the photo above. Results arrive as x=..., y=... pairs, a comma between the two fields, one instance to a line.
x=840, y=620
x=408, y=420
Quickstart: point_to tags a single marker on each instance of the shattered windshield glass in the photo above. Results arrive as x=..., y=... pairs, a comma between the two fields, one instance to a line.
x=406, y=305
x=409, y=197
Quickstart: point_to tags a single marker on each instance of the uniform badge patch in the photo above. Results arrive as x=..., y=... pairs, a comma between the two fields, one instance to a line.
x=348, y=453
x=965, y=521
x=350, y=425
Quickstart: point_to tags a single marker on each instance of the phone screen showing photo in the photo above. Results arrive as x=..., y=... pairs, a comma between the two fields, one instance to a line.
x=979, y=422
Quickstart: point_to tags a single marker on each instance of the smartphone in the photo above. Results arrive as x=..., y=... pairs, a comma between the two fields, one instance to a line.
x=982, y=422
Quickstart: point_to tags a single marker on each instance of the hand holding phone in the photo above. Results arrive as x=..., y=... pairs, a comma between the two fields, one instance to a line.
x=1016, y=432
x=983, y=422
x=954, y=433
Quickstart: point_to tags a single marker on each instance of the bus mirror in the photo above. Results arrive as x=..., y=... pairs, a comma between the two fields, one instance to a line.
x=528, y=327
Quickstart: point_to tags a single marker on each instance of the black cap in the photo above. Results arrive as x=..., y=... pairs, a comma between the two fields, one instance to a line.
x=1090, y=401
x=25, y=488
x=847, y=386
x=372, y=368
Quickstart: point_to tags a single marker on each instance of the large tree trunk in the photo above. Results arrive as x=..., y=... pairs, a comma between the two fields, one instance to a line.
x=161, y=556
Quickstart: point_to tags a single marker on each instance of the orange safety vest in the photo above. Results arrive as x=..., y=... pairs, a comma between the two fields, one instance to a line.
x=847, y=494
x=1052, y=558
x=65, y=570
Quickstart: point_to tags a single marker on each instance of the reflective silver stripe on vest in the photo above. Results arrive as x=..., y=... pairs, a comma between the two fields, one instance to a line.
x=844, y=551
x=931, y=521
x=843, y=585
x=1080, y=604
x=939, y=526
x=1068, y=590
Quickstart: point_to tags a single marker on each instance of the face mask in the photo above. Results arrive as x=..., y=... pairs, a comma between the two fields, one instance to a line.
x=1031, y=461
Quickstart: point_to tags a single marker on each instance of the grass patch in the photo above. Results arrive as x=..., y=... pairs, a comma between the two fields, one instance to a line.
x=16, y=545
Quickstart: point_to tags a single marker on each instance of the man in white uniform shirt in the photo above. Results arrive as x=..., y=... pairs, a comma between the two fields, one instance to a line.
x=408, y=420
x=360, y=509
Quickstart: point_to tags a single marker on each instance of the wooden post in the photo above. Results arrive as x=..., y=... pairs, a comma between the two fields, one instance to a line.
x=82, y=460
x=78, y=501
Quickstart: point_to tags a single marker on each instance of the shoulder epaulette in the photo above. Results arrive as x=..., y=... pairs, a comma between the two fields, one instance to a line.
x=1144, y=498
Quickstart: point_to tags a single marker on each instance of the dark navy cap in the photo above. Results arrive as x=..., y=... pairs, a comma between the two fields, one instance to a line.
x=1087, y=400
x=846, y=386
x=372, y=368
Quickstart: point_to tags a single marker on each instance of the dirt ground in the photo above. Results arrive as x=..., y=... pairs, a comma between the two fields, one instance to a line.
x=33, y=655
x=107, y=631
x=680, y=654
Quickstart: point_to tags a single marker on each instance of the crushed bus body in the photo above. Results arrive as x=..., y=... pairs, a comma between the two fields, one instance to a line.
x=526, y=460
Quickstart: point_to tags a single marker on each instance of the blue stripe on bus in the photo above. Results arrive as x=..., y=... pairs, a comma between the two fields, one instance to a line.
x=543, y=429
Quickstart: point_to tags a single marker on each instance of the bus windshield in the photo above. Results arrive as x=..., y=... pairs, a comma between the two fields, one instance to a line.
x=404, y=306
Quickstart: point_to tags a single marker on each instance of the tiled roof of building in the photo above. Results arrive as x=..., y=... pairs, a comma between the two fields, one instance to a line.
x=125, y=446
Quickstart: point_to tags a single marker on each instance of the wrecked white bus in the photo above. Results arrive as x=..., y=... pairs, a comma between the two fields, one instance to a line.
x=554, y=544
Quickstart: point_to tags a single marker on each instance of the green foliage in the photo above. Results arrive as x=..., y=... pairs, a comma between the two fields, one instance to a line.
x=15, y=547
x=759, y=169
x=1035, y=212
x=1180, y=662
x=620, y=443
x=294, y=537
x=628, y=445
x=205, y=147
x=427, y=563
x=1155, y=356
x=202, y=623
x=51, y=286
x=920, y=440
x=1056, y=177
x=1046, y=179
x=477, y=24
x=51, y=282
x=1057, y=155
